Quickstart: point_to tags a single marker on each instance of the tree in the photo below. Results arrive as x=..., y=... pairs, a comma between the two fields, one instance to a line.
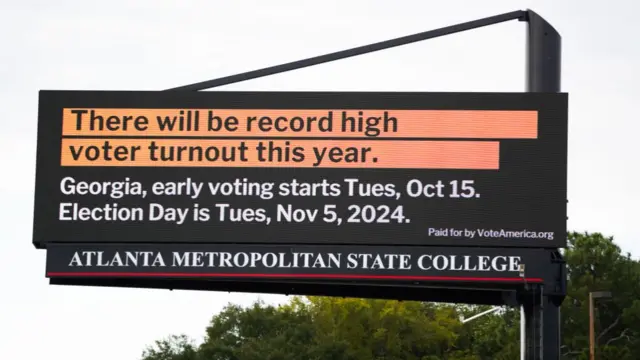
x=495, y=336
x=260, y=332
x=596, y=263
x=175, y=347
x=383, y=329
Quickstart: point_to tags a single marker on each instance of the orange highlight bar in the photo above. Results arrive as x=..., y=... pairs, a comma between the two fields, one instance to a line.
x=394, y=154
x=468, y=124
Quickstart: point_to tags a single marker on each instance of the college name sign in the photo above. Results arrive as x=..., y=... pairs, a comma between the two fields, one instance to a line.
x=301, y=168
x=304, y=262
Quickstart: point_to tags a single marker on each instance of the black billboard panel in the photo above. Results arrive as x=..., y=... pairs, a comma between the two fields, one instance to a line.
x=444, y=169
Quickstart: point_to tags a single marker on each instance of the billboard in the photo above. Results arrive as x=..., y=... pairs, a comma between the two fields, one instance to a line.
x=301, y=168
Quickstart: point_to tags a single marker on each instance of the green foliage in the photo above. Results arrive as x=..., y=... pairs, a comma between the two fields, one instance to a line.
x=379, y=329
x=319, y=328
x=596, y=263
x=175, y=347
x=260, y=332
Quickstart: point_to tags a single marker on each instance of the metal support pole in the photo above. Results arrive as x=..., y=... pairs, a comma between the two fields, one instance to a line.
x=532, y=326
x=543, y=74
x=523, y=331
x=552, y=332
x=592, y=340
x=592, y=331
x=493, y=309
x=542, y=300
x=544, y=49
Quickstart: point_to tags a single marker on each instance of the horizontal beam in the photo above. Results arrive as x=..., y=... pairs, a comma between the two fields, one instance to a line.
x=387, y=44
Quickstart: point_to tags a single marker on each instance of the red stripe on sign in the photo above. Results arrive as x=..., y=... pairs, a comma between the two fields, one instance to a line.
x=299, y=276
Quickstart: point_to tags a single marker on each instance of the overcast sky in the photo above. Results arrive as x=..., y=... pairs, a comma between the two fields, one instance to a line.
x=157, y=44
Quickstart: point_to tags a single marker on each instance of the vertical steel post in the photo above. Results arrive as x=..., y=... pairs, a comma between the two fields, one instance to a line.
x=592, y=346
x=543, y=74
x=523, y=331
x=544, y=51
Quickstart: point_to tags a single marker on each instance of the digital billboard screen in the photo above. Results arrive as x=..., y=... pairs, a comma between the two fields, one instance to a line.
x=443, y=169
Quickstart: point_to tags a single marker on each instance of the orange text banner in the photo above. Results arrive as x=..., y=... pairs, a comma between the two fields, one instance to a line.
x=391, y=154
x=338, y=123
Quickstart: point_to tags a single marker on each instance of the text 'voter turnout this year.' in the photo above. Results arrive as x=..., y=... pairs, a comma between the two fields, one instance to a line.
x=295, y=168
